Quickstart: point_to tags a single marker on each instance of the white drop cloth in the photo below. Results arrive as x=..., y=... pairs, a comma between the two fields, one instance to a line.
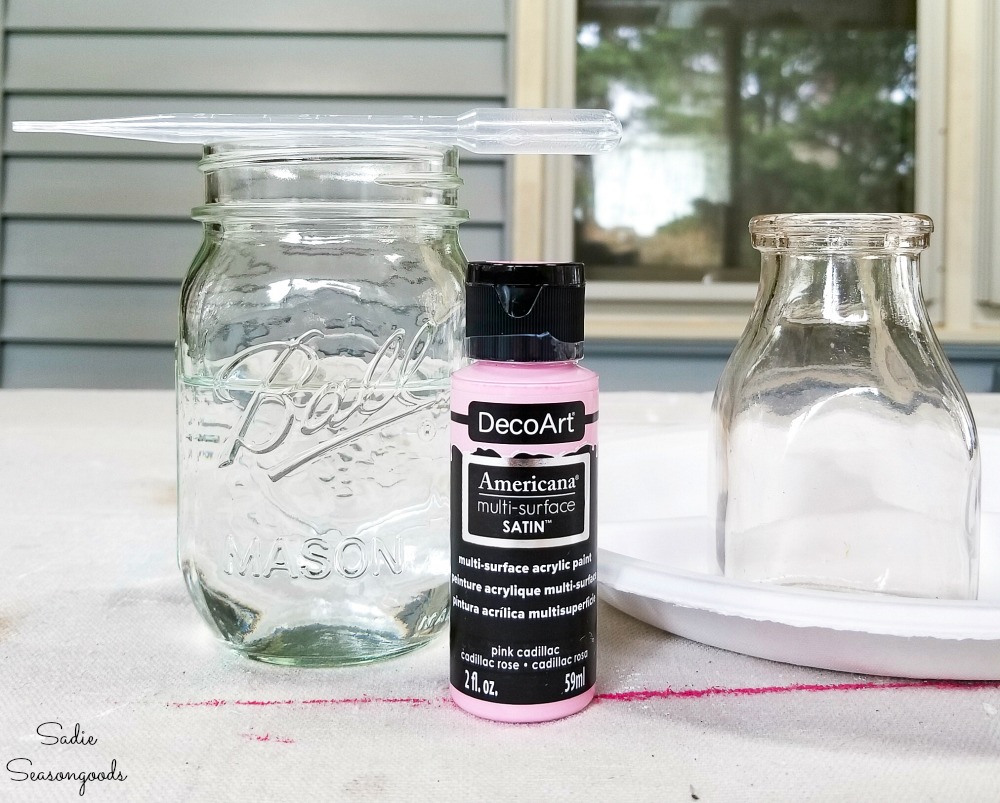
x=96, y=628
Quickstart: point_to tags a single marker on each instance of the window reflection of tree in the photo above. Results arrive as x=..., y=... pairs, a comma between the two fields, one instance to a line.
x=792, y=106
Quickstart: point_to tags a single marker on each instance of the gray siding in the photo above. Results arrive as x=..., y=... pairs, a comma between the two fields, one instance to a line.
x=431, y=17
x=697, y=365
x=352, y=66
x=163, y=189
x=94, y=233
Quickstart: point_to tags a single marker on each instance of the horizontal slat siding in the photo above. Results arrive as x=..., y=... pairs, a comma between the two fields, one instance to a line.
x=129, y=188
x=262, y=16
x=257, y=65
x=168, y=188
x=96, y=235
x=30, y=365
x=71, y=311
x=139, y=251
x=105, y=251
x=84, y=107
x=131, y=312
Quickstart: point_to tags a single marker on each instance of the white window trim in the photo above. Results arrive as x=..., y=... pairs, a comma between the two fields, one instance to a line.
x=972, y=173
x=956, y=43
x=988, y=189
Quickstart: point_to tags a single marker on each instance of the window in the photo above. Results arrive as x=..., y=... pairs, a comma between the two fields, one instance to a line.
x=943, y=159
x=733, y=108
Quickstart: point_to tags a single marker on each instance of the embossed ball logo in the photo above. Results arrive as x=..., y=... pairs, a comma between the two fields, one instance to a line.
x=294, y=415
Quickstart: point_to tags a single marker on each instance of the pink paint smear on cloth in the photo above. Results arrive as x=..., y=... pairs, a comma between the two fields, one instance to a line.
x=641, y=695
x=266, y=737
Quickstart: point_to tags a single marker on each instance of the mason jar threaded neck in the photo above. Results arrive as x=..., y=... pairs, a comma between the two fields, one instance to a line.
x=349, y=180
x=850, y=233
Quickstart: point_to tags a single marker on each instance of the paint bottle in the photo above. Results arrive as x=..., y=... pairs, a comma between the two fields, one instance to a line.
x=523, y=497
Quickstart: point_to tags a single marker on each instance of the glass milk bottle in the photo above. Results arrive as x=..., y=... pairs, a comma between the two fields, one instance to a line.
x=847, y=456
x=320, y=323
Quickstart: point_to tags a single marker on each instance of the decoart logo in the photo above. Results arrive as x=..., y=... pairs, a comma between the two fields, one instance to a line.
x=564, y=422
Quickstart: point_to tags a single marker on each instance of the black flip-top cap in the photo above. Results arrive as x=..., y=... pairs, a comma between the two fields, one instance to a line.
x=524, y=311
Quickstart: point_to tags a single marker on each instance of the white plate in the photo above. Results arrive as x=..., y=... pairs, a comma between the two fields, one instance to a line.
x=657, y=563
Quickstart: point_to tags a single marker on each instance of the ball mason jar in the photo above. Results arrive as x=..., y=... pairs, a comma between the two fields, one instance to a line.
x=847, y=457
x=319, y=326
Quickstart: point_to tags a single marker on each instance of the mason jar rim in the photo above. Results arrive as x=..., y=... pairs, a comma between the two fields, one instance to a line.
x=345, y=213
x=853, y=231
x=222, y=155
x=282, y=180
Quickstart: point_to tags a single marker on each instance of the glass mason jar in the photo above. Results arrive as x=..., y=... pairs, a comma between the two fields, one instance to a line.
x=847, y=456
x=320, y=324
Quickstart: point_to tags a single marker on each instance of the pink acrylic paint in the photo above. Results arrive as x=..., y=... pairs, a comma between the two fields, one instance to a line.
x=524, y=492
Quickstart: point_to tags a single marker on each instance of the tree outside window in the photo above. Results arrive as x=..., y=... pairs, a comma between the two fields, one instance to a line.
x=733, y=109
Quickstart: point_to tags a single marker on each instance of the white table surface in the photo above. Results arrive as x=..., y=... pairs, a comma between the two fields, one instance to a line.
x=96, y=628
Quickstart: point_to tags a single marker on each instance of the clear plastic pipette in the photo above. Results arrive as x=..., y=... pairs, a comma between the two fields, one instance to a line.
x=499, y=131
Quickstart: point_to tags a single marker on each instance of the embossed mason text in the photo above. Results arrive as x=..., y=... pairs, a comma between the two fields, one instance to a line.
x=313, y=558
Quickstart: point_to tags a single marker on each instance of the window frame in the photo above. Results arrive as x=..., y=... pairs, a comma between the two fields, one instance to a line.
x=544, y=74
